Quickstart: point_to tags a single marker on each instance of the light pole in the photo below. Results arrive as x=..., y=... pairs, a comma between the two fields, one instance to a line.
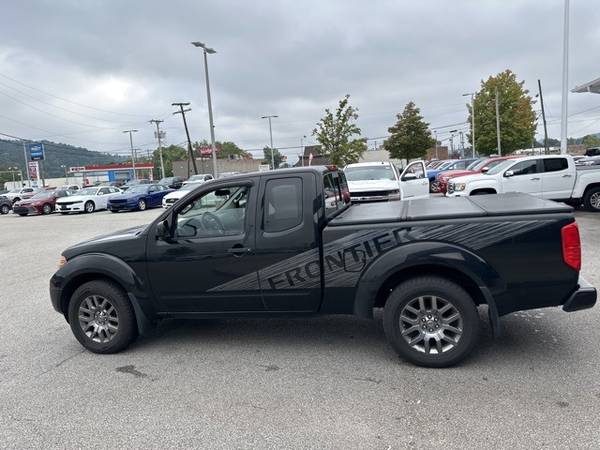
x=272, y=116
x=132, y=152
x=302, y=148
x=160, y=152
x=452, y=141
x=208, y=50
x=436, y=144
x=66, y=176
x=498, y=123
x=472, y=94
x=565, y=82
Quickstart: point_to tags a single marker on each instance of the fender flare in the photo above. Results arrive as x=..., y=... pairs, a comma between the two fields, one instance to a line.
x=439, y=254
x=103, y=265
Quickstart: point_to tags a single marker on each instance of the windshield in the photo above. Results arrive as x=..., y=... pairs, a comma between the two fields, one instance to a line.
x=477, y=164
x=499, y=167
x=140, y=189
x=42, y=195
x=445, y=165
x=369, y=173
x=88, y=191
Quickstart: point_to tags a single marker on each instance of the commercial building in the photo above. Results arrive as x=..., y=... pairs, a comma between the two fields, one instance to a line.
x=112, y=172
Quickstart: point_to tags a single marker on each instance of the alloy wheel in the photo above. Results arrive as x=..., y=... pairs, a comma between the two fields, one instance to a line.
x=98, y=319
x=595, y=200
x=430, y=324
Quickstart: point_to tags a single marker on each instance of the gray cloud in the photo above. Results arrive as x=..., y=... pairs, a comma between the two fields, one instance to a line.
x=288, y=58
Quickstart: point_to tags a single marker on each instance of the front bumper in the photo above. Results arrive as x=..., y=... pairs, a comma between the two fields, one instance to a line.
x=24, y=210
x=73, y=207
x=584, y=297
x=122, y=206
x=56, y=293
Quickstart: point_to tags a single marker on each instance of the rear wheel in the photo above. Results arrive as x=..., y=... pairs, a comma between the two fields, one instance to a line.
x=591, y=199
x=101, y=317
x=46, y=209
x=142, y=204
x=4, y=209
x=431, y=321
x=89, y=207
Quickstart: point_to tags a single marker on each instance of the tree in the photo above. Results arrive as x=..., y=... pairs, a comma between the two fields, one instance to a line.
x=229, y=150
x=170, y=154
x=278, y=158
x=410, y=136
x=517, y=119
x=335, y=134
x=591, y=140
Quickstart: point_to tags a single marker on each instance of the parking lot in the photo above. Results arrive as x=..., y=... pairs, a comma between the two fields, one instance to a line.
x=328, y=382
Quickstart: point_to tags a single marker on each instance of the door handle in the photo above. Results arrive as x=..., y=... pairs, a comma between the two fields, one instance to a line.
x=566, y=175
x=535, y=179
x=239, y=251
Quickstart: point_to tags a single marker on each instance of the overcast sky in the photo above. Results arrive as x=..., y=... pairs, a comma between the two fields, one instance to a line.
x=122, y=63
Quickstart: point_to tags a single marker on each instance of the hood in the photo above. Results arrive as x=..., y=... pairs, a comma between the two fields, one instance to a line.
x=177, y=194
x=127, y=196
x=74, y=198
x=455, y=173
x=472, y=178
x=372, y=185
x=104, y=242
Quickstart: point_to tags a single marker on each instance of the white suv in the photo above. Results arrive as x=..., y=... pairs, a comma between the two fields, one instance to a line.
x=382, y=181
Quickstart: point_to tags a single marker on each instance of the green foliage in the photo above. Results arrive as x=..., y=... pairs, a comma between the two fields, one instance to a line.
x=277, y=156
x=170, y=154
x=335, y=132
x=410, y=136
x=517, y=118
x=229, y=150
x=591, y=140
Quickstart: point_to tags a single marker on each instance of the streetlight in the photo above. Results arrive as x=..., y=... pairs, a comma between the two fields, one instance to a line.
x=302, y=148
x=66, y=176
x=132, y=151
x=208, y=50
x=472, y=94
x=272, y=116
x=565, y=82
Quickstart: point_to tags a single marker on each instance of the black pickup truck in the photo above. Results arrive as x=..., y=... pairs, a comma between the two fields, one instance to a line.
x=288, y=242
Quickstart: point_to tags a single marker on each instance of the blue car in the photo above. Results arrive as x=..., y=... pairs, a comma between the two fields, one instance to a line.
x=451, y=164
x=139, y=197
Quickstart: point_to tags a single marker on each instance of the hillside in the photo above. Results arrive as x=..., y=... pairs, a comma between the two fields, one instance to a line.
x=11, y=154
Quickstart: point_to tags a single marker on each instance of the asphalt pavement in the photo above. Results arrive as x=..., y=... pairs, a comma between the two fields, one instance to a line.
x=329, y=382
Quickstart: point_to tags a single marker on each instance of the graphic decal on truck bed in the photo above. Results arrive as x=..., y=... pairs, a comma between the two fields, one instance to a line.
x=344, y=259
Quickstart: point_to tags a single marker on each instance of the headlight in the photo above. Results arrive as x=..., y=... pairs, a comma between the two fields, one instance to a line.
x=61, y=261
x=460, y=186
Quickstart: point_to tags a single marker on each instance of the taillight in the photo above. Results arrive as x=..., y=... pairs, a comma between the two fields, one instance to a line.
x=571, y=245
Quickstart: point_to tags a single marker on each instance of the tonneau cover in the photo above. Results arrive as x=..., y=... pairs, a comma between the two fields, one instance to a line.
x=436, y=208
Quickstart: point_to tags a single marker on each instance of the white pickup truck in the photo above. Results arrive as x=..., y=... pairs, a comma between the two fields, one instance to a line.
x=552, y=177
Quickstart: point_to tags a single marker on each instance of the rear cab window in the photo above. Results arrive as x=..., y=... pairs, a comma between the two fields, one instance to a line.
x=283, y=204
x=555, y=164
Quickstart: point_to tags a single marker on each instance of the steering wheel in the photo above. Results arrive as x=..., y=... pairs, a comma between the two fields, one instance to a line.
x=212, y=221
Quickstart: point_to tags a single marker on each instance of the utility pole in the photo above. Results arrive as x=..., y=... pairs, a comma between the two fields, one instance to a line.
x=462, y=143
x=543, y=118
x=26, y=163
x=132, y=151
x=498, y=124
x=187, y=133
x=208, y=50
x=157, y=122
x=565, y=83
x=472, y=94
x=302, y=148
x=271, y=135
x=436, y=144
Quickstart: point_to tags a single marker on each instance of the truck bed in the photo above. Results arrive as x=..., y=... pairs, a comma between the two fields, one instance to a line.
x=435, y=208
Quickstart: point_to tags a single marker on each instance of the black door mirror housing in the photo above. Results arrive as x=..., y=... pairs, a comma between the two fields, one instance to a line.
x=163, y=230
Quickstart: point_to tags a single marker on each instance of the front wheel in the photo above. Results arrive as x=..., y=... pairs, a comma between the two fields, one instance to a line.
x=142, y=204
x=591, y=199
x=4, y=209
x=101, y=317
x=89, y=207
x=431, y=321
x=46, y=209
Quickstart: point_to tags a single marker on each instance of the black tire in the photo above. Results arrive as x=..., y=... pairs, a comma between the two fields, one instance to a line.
x=22, y=214
x=114, y=211
x=426, y=287
x=47, y=209
x=89, y=207
x=127, y=327
x=591, y=199
x=142, y=204
x=4, y=209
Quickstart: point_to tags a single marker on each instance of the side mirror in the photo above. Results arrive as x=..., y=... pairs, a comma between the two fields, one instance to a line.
x=508, y=173
x=484, y=169
x=162, y=230
x=409, y=176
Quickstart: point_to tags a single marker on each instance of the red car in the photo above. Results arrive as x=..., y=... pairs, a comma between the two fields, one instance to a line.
x=480, y=166
x=41, y=203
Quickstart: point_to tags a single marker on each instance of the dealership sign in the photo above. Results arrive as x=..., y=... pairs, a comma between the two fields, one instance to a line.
x=36, y=151
x=34, y=170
